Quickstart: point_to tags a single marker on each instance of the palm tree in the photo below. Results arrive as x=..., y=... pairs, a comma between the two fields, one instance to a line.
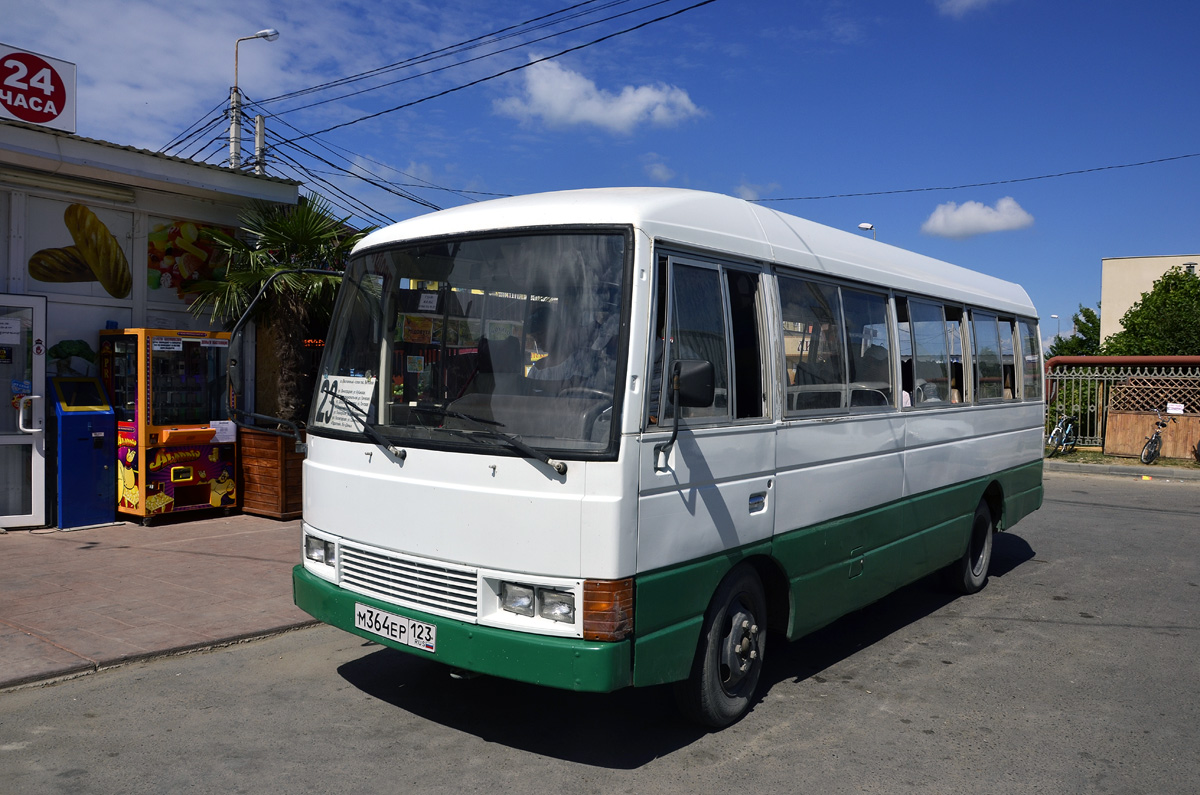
x=281, y=238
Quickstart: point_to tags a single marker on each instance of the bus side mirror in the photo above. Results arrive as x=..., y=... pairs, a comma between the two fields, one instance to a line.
x=693, y=382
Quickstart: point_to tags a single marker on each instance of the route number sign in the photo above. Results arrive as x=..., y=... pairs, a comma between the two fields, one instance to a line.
x=36, y=89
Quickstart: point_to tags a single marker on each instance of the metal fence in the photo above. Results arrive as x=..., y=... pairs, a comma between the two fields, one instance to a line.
x=1089, y=393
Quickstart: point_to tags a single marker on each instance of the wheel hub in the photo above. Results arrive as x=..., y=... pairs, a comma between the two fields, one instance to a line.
x=740, y=651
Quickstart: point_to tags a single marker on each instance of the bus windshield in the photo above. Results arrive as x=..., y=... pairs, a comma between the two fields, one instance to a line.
x=484, y=344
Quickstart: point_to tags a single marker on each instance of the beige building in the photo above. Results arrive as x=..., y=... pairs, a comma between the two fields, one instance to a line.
x=1124, y=279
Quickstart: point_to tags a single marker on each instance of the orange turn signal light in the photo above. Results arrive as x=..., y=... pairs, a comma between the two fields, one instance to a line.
x=607, y=609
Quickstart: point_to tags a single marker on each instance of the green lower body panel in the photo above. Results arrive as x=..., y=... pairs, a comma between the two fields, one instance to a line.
x=822, y=572
x=567, y=663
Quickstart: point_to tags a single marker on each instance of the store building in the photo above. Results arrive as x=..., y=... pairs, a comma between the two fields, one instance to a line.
x=140, y=217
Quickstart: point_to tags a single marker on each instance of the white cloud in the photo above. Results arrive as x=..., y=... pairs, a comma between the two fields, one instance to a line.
x=560, y=97
x=960, y=8
x=655, y=168
x=975, y=218
x=750, y=192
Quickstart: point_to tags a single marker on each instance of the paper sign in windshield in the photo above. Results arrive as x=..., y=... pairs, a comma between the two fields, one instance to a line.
x=337, y=391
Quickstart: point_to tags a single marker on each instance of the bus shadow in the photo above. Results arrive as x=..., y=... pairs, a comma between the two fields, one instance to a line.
x=623, y=730
x=630, y=728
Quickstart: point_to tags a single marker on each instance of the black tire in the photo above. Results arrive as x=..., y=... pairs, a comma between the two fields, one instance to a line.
x=969, y=573
x=729, y=658
x=1054, y=445
x=1150, y=451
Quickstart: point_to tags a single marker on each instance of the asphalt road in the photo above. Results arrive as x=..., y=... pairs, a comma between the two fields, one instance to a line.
x=1074, y=671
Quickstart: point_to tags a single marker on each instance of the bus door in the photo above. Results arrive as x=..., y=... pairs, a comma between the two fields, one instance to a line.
x=713, y=489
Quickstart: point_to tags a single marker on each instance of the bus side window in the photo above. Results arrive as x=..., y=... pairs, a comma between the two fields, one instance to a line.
x=749, y=388
x=1031, y=370
x=954, y=338
x=1008, y=345
x=814, y=349
x=697, y=321
x=869, y=354
x=986, y=356
x=931, y=354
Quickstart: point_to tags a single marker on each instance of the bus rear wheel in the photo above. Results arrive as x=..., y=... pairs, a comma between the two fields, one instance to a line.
x=729, y=659
x=969, y=573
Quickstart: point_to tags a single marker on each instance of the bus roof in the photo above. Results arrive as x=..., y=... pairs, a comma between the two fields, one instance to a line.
x=698, y=220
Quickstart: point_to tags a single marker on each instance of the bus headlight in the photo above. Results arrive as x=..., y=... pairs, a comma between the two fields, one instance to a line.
x=530, y=601
x=556, y=605
x=516, y=598
x=318, y=550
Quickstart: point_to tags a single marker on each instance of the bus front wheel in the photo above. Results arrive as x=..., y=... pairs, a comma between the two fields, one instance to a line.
x=729, y=658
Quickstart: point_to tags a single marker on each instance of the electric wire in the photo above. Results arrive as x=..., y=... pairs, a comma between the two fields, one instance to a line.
x=198, y=132
x=334, y=194
x=451, y=49
x=511, y=70
x=175, y=141
x=476, y=58
x=378, y=180
x=992, y=183
x=355, y=165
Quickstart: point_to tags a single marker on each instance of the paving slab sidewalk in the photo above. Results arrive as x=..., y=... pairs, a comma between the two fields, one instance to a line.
x=73, y=602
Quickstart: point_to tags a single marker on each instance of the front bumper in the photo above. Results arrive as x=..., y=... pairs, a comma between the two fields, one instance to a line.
x=567, y=663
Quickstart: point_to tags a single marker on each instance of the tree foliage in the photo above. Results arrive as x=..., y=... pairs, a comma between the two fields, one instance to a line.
x=1165, y=322
x=1086, y=339
x=279, y=238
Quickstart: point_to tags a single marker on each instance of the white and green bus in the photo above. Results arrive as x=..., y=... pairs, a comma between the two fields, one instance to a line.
x=608, y=438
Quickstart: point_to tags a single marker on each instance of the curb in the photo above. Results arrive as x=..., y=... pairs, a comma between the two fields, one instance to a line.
x=1152, y=470
x=68, y=673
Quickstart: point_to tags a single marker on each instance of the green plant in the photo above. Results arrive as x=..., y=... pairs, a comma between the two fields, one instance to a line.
x=1163, y=322
x=279, y=238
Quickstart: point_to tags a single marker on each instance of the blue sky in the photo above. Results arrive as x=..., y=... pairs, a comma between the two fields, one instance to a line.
x=766, y=99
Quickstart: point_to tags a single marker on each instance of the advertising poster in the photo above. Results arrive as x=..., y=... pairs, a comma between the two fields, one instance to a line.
x=79, y=250
x=181, y=253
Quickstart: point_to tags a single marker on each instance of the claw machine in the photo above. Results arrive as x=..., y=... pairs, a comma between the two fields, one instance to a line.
x=176, y=447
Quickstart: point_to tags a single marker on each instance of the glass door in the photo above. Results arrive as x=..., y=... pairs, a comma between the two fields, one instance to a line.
x=23, y=411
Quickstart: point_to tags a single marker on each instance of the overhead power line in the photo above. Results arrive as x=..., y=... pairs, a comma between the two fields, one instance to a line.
x=511, y=70
x=523, y=44
x=979, y=184
x=453, y=49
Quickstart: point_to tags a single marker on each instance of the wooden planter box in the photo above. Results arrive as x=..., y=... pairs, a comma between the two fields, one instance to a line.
x=272, y=482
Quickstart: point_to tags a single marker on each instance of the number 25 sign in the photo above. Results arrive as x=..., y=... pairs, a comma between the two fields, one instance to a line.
x=37, y=89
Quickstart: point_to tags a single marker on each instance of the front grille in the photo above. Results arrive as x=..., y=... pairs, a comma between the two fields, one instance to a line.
x=409, y=582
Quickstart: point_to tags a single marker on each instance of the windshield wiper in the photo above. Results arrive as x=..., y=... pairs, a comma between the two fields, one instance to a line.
x=429, y=408
x=511, y=439
x=368, y=427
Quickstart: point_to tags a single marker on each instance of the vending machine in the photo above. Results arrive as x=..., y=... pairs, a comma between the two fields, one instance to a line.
x=176, y=449
x=83, y=435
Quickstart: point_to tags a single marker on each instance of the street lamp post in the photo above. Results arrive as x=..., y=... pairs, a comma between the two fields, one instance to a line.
x=1058, y=332
x=235, y=100
x=868, y=228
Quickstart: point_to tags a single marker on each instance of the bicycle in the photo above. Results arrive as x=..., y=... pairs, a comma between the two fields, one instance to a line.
x=1064, y=436
x=1153, y=444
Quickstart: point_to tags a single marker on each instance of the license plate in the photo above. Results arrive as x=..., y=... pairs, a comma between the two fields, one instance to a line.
x=401, y=629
